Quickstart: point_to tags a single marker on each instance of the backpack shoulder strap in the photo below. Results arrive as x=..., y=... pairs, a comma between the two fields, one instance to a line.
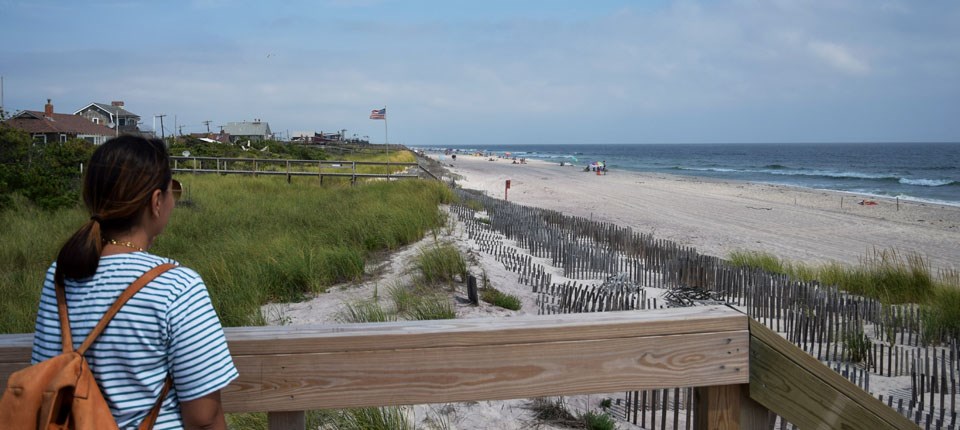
x=122, y=300
x=66, y=340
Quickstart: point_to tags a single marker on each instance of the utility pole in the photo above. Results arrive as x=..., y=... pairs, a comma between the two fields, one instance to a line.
x=207, y=123
x=162, y=136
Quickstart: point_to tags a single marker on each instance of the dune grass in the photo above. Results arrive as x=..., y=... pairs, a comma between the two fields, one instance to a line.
x=886, y=275
x=254, y=240
x=441, y=263
x=498, y=298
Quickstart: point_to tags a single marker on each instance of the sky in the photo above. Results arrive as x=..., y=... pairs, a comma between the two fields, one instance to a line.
x=501, y=71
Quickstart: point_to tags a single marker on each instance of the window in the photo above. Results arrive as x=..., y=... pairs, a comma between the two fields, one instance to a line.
x=122, y=121
x=63, y=138
x=95, y=120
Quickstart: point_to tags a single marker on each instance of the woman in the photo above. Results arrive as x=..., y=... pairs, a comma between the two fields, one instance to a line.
x=168, y=328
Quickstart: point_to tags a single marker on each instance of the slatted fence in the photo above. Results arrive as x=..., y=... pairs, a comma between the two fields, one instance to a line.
x=860, y=338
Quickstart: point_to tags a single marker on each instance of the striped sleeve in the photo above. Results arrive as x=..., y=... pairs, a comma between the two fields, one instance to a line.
x=198, y=353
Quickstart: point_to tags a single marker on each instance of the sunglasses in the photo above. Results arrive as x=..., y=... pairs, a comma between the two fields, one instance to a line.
x=177, y=189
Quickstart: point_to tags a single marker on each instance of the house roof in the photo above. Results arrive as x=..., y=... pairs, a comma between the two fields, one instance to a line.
x=247, y=128
x=109, y=109
x=35, y=122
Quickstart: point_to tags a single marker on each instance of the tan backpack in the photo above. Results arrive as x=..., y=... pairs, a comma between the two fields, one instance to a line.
x=61, y=393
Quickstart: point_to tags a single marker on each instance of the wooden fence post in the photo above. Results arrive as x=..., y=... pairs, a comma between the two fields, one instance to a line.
x=472, y=290
x=296, y=420
x=728, y=407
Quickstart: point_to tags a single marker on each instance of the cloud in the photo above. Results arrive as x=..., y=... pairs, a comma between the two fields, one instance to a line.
x=839, y=57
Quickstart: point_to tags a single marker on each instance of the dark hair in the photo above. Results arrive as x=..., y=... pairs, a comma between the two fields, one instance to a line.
x=120, y=179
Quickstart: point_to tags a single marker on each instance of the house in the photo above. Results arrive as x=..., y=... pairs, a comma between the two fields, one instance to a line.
x=48, y=126
x=312, y=137
x=112, y=115
x=254, y=131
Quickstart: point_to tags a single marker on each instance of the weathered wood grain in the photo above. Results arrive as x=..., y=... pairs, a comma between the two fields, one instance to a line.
x=485, y=372
x=488, y=331
x=800, y=389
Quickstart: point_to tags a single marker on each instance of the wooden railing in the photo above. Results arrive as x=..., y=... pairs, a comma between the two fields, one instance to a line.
x=291, y=168
x=289, y=369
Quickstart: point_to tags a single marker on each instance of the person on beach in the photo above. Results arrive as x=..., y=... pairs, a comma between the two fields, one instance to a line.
x=168, y=329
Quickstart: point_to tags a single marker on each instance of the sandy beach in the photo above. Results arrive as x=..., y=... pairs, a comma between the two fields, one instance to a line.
x=717, y=217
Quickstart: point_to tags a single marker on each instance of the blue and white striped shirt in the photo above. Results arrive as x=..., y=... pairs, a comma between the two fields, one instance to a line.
x=170, y=326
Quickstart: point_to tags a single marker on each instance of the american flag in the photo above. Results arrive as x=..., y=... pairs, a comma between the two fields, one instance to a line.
x=379, y=114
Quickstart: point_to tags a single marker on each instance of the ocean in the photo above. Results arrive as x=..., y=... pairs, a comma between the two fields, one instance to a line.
x=928, y=172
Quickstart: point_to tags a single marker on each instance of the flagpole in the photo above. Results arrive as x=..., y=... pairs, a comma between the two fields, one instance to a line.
x=386, y=135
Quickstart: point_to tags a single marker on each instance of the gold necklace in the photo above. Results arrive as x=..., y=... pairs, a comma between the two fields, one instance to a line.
x=124, y=244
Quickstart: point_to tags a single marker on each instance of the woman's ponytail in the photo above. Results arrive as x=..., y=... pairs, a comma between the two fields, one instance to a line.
x=80, y=255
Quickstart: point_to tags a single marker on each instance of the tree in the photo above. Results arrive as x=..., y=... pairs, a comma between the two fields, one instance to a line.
x=47, y=174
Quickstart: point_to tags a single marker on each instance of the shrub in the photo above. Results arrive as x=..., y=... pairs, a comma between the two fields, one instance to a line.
x=48, y=173
x=598, y=421
x=606, y=403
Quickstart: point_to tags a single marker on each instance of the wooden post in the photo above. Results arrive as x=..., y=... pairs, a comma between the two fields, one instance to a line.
x=722, y=407
x=286, y=420
x=472, y=290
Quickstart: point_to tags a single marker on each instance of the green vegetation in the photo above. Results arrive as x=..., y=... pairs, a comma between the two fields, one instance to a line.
x=386, y=418
x=364, y=311
x=441, y=264
x=433, y=307
x=858, y=345
x=885, y=275
x=47, y=174
x=253, y=240
x=497, y=298
x=606, y=403
x=598, y=421
x=275, y=150
x=941, y=315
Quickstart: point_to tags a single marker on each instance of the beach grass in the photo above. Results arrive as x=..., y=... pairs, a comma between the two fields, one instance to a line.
x=254, y=240
x=365, y=311
x=889, y=276
x=441, y=263
x=886, y=275
x=498, y=298
x=385, y=418
x=432, y=307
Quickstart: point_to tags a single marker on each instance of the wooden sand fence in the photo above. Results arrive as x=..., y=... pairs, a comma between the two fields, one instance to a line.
x=859, y=338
